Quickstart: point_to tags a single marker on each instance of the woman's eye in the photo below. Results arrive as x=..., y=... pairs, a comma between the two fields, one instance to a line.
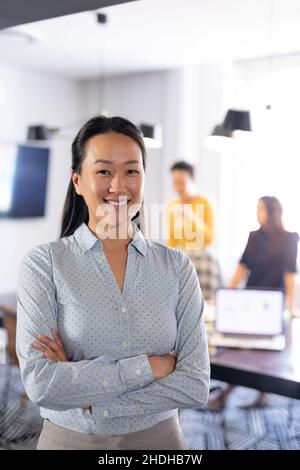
x=133, y=172
x=103, y=172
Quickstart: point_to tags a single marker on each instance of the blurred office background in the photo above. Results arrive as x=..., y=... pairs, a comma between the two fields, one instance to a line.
x=173, y=64
x=177, y=65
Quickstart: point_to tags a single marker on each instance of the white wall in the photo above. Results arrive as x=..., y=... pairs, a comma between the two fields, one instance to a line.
x=29, y=98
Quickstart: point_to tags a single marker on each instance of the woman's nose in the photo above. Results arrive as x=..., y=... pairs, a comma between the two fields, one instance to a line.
x=117, y=184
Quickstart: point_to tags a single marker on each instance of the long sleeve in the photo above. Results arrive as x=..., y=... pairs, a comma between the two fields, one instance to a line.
x=204, y=223
x=184, y=222
x=208, y=223
x=188, y=385
x=64, y=385
x=170, y=221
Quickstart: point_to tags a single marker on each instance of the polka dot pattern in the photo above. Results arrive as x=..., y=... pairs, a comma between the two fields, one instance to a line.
x=108, y=334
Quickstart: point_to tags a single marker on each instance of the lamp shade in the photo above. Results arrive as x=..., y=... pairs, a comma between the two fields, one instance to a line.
x=147, y=130
x=219, y=130
x=222, y=134
x=152, y=135
x=237, y=120
x=37, y=132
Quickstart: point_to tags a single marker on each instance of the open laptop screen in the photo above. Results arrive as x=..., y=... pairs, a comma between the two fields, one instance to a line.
x=249, y=311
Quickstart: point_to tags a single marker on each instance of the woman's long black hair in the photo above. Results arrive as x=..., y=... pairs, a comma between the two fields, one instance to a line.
x=273, y=227
x=75, y=210
x=274, y=214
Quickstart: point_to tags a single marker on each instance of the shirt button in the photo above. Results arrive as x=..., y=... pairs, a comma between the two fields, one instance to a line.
x=106, y=413
x=123, y=309
x=125, y=344
x=138, y=372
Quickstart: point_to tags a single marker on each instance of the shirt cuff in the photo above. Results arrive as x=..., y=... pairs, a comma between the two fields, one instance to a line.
x=136, y=372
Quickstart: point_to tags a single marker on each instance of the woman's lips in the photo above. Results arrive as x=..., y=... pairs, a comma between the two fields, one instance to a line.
x=117, y=202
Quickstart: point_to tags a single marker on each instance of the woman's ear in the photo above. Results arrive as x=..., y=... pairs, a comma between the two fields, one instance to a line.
x=76, y=181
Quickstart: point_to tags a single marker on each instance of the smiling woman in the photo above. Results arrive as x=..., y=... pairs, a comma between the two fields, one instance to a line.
x=111, y=182
x=110, y=334
x=108, y=163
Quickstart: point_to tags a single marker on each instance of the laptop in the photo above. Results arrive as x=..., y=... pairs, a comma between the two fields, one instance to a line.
x=249, y=319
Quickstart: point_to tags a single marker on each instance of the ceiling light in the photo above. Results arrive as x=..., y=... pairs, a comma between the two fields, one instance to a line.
x=221, y=136
x=237, y=120
x=152, y=135
x=37, y=132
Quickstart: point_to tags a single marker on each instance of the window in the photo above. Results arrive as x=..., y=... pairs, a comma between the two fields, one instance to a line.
x=264, y=163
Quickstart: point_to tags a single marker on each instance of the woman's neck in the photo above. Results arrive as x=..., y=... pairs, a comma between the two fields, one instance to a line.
x=272, y=229
x=113, y=243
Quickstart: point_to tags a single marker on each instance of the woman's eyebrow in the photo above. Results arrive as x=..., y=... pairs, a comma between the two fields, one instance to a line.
x=130, y=162
x=109, y=162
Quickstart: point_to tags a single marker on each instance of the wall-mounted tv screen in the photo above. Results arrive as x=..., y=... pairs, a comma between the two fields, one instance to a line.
x=23, y=180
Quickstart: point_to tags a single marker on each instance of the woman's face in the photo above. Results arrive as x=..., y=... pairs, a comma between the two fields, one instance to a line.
x=111, y=179
x=262, y=214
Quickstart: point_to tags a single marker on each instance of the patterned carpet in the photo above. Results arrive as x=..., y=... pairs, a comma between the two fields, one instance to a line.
x=275, y=426
x=19, y=425
x=272, y=427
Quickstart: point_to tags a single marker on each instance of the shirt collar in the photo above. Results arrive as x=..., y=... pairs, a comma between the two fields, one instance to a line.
x=139, y=241
x=86, y=239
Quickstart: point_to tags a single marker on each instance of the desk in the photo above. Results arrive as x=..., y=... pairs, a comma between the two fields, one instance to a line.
x=268, y=371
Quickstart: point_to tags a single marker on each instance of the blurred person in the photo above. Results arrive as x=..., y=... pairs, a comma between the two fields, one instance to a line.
x=190, y=217
x=269, y=261
x=191, y=227
x=270, y=256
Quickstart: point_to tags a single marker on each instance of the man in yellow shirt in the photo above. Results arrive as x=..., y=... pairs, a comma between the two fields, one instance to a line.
x=190, y=217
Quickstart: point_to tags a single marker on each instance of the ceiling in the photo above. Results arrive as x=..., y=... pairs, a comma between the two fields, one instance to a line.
x=15, y=12
x=157, y=34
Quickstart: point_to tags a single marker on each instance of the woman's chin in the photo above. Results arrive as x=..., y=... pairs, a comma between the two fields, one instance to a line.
x=114, y=230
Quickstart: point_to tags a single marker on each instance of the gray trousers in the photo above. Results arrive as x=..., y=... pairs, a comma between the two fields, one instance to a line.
x=166, y=435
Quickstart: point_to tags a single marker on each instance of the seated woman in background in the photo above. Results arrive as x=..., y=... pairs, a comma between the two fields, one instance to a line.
x=269, y=261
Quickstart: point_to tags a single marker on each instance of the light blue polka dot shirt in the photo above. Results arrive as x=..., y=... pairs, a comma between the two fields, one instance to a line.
x=107, y=334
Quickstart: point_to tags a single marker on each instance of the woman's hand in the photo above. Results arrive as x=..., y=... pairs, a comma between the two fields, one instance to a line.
x=52, y=348
x=162, y=365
